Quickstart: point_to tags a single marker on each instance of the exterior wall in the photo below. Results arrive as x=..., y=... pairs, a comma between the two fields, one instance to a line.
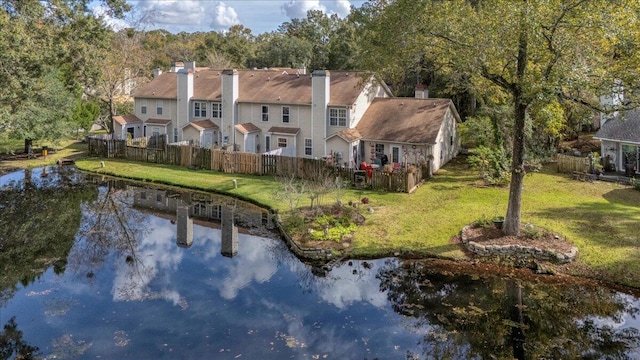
x=189, y=133
x=408, y=154
x=448, y=142
x=371, y=91
x=299, y=117
x=169, y=110
x=342, y=151
x=334, y=129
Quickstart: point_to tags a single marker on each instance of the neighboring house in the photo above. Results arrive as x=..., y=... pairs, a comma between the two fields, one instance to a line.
x=620, y=140
x=345, y=114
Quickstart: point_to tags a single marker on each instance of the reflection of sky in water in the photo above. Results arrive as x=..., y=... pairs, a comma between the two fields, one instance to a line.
x=172, y=302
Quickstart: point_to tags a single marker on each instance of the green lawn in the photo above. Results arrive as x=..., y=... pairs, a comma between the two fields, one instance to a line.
x=600, y=218
x=64, y=149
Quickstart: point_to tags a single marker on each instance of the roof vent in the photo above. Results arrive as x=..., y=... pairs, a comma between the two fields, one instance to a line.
x=269, y=78
x=285, y=72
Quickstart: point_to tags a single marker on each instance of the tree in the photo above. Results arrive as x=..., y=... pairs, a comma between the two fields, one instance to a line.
x=85, y=115
x=531, y=52
x=47, y=54
x=123, y=64
x=283, y=51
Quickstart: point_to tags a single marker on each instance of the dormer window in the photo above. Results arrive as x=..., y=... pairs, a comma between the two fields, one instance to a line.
x=200, y=109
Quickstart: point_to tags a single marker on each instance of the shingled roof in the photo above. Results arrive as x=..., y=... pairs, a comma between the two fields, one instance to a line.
x=126, y=119
x=404, y=120
x=625, y=128
x=259, y=86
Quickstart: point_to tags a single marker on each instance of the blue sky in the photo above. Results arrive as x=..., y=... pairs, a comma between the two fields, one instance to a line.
x=212, y=15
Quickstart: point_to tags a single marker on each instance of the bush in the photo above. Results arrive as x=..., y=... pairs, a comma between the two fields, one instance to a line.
x=492, y=165
x=294, y=223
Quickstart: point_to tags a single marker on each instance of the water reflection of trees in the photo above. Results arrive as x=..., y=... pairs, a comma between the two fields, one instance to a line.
x=39, y=217
x=13, y=346
x=110, y=226
x=468, y=316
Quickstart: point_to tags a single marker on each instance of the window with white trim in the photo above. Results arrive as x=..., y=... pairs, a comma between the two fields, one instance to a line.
x=282, y=142
x=200, y=109
x=143, y=106
x=308, y=149
x=395, y=154
x=199, y=209
x=155, y=131
x=338, y=117
x=267, y=143
x=175, y=134
x=285, y=114
x=159, y=106
x=216, y=111
x=265, y=113
x=379, y=150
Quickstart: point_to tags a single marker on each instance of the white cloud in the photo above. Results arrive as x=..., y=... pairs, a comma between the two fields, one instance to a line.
x=298, y=8
x=224, y=16
x=173, y=12
x=115, y=24
x=343, y=8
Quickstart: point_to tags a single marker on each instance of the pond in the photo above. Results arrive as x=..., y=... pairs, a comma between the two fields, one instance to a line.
x=99, y=268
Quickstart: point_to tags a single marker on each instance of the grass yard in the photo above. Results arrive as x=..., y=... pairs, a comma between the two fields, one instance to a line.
x=65, y=149
x=600, y=218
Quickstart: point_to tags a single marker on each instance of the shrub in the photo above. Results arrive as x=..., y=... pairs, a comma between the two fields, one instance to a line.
x=492, y=165
x=294, y=223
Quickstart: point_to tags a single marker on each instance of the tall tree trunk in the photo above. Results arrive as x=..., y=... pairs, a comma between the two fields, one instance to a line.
x=512, y=220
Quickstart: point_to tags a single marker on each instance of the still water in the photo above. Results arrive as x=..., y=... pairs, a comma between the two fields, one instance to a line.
x=101, y=269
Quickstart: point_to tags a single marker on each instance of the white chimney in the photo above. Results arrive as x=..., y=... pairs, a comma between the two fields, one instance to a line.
x=421, y=92
x=229, y=102
x=320, y=95
x=185, y=93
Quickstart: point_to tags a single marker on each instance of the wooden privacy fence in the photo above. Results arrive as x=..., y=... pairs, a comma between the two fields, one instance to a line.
x=569, y=164
x=256, y=164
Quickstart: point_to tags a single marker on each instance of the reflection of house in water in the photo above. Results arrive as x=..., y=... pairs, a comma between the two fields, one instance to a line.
x=209, y=210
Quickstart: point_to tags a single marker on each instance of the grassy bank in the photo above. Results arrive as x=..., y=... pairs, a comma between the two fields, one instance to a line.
x=599, y=218
x=65, y=149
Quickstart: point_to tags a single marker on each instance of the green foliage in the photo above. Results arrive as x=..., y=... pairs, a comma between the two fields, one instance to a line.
x=635, y=183
x=333, y=233
x=492, y=165
x=85, y=114
x=48, y=51
x=477, y=131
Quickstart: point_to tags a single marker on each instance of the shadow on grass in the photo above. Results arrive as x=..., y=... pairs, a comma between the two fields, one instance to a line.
x=608, y=225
